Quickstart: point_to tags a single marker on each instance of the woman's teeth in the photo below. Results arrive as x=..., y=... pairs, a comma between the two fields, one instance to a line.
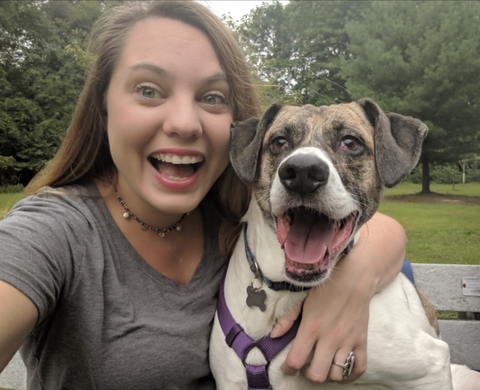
x=173, y=159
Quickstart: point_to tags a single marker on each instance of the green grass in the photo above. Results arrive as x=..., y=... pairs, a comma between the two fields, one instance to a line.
x=468, y=189
x=438, y=233
x=6, y=203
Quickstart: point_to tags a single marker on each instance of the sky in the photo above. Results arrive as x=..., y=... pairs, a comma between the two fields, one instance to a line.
x=236, y=8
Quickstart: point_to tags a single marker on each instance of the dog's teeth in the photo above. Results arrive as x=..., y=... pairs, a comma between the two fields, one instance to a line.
x=288, y=222
x=301, y=265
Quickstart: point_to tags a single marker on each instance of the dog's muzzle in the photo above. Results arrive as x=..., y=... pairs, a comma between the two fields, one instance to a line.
x=309, y=236
x=303, y=174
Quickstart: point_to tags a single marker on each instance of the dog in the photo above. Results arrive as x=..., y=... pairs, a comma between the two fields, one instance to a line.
x=317, y=174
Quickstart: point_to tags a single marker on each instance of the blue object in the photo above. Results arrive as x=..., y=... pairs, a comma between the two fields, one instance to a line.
x=407, y=270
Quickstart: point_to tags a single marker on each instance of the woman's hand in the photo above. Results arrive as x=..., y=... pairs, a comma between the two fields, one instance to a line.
x=335, y=314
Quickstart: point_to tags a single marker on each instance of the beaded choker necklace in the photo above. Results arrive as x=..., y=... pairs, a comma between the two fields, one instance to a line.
x=161, y=232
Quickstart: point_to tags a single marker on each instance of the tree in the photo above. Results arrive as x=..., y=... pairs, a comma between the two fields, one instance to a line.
x=300, y=47
x=42, y=67
x=418, y=58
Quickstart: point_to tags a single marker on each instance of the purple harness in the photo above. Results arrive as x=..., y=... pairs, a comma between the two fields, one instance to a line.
x=236, y=338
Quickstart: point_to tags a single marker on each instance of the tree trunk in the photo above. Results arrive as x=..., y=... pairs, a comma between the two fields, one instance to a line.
x=463, y=163
x=425, y=174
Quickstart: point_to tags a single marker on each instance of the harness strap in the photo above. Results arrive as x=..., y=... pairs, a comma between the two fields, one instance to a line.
x=242, y=344
x=257, y=377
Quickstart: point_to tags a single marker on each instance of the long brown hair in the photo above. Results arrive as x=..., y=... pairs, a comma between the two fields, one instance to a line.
x=85, y=150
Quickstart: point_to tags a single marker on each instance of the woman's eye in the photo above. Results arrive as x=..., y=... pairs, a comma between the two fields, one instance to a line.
x=351, y=144
x=213, y=100
x=279, y=144
x=148, y=92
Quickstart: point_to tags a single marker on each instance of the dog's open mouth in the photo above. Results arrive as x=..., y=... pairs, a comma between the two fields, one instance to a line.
x=310, y=240
x=175, y=167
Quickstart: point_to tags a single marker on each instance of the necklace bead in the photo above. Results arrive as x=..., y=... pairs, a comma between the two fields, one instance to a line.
x=143, y=225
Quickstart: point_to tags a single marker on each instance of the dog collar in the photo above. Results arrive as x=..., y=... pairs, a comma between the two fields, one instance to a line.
x=242, y=343
x=254, y=267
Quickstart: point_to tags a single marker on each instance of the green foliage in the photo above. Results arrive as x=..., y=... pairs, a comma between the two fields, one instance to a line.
x=42, y=67
x=406, y=188
x=415, y=58
x=415, y=176
x=11, y=189
x=444, y=174
x=299, y=47
x=412, y=57
x=472, y=175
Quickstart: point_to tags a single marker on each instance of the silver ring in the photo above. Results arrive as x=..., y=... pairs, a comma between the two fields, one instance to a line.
x=347, y=366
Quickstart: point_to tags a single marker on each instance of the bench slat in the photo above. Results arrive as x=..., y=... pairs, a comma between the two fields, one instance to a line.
x=14, y=376
x=442, y=285
x=463, y=337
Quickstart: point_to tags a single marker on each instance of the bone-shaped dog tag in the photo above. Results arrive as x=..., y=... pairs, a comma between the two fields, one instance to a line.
x=256, y=297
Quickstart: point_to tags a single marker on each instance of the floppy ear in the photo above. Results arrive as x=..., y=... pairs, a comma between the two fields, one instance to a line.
x=398, y=142
x=246, y=142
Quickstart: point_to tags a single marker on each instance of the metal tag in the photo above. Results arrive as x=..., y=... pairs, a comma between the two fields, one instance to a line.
x=471, y=286
x=256, y=297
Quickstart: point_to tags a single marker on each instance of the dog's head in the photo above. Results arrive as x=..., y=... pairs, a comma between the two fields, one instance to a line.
x=318, y=174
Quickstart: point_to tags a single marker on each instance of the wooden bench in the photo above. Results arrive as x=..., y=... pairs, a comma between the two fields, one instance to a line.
x=443, y=284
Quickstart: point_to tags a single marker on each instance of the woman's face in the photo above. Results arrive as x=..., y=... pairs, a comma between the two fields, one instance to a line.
x=168, y=121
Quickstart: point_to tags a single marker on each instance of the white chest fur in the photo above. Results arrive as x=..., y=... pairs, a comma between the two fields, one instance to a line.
x=402, y=350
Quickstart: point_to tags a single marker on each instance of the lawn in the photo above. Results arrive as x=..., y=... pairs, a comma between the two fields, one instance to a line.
x=6, y=203
x=445, y=231
x=442, y=229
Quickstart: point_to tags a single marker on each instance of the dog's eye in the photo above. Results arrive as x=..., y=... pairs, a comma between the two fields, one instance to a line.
x=279, y=144
x=351, y=144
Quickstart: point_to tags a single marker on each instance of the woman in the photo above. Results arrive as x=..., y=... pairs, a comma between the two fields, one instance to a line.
x=109, y=277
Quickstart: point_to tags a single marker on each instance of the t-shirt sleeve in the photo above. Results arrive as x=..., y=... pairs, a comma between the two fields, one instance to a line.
x=40, y=253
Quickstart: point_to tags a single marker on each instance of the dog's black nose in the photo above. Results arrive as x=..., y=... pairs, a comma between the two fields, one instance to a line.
x=303, y=173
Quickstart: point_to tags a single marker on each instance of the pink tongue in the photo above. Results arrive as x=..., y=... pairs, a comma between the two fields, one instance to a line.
x=175, y=170
x=307, y=237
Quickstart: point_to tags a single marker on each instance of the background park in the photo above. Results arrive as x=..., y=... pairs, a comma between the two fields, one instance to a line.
x=417, y=58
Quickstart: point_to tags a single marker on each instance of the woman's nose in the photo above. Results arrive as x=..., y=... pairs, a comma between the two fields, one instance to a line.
x=182, y=119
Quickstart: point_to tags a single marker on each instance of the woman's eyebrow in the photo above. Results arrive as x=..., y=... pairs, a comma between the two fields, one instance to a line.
x=216, y=77
x=219, y=76
x=151, y=67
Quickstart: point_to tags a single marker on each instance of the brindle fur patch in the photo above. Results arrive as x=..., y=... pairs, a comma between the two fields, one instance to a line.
x=323, y=127
x=429, y=311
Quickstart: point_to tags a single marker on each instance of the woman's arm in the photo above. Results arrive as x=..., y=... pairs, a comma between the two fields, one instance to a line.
x=335, y=315
x=17, y=318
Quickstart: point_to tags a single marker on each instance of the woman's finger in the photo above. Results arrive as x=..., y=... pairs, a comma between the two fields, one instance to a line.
x=285, y=322
x=346, y=362
x=298, y=354
x=360, y=364
x=318, y=369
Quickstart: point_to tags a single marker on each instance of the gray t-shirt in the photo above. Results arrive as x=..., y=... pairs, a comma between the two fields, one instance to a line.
x=107, y=320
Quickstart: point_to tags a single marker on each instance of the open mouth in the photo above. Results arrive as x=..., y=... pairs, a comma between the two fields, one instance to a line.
x=175, y=167
x=310, y=240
